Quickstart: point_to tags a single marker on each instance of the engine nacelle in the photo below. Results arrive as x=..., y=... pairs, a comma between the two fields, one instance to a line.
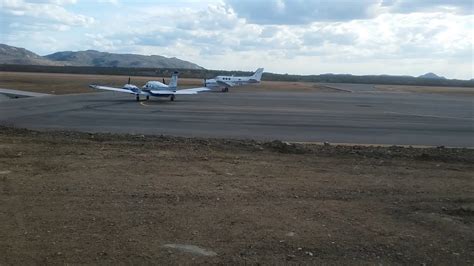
x=132, y=88
x=209, y=83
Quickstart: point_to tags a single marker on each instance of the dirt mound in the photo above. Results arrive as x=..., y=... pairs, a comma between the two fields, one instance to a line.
x=80, y=198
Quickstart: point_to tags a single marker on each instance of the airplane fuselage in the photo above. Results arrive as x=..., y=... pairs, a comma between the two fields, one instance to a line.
x=231, y=81
x=158, y=86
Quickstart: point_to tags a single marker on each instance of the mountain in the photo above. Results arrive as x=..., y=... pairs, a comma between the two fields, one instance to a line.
x=20, y=56
x=431, y=76
x=103, y=59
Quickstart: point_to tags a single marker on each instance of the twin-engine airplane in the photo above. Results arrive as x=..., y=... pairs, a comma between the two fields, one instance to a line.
x=154, y=88
x=225, y=82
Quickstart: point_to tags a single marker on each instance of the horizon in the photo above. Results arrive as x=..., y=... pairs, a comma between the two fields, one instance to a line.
x=370, y=37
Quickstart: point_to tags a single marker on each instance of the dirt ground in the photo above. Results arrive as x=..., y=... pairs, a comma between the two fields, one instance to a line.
x=54, y=83
x=74, y=198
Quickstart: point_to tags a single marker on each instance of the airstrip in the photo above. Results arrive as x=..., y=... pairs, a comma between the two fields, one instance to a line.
x=353, y=113
x=70, y=197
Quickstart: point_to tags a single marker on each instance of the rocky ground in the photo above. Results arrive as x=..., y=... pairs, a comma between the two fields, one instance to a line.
x=98, y=198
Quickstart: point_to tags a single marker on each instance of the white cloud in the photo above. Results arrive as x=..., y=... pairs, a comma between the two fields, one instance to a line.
x=113, y=2
x=370, y=37
x=45, y=11
x=292, y=12
x=303, y=11
x=215, y=17
x=464, y=7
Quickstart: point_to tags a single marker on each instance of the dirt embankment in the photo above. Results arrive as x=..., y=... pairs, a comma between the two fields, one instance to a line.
x=99, y=198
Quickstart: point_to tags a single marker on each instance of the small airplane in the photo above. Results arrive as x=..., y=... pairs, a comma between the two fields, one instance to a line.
x=154, y=88
x=230, y=81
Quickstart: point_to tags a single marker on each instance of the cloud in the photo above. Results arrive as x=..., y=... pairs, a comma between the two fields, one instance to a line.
x=44, y=12
x=113, y=2
x=54, y=2
x=162, y=37
x=463, y=7
x=330, y=34
x=215, y=17
x=292, y=12
x=300, y=36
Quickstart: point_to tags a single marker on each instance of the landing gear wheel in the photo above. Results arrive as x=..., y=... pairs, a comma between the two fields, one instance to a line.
x=138, y=98
x=172, y=98
x=147, y=97
x=225, y=89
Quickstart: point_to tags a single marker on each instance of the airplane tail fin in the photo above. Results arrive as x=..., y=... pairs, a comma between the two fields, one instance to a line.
x=258, y=74
x=174, y=80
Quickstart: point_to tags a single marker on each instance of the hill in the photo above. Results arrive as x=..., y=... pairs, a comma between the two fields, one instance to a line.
x=95, y=62
x=10, y=55
x=20, y=56
x=431, y=76
x=103, y=59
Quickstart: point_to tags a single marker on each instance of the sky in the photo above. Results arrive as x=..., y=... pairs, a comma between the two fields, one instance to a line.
x=396, y=37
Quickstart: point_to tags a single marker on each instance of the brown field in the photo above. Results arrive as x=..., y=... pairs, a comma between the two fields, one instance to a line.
x=78, y=198
x=54, y=83
x=426, y=89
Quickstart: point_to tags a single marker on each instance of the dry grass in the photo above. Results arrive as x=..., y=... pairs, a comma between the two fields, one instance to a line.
x=54, y=83
x=426, y=89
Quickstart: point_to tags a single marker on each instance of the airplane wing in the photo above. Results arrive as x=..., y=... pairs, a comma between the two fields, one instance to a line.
x=181, y=92
x=192, y=90
x=98, y=87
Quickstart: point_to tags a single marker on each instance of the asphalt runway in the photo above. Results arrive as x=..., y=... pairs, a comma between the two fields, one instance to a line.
x=359, y=117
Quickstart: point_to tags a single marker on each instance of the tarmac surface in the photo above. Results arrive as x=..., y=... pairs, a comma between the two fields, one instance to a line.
x=361, y=117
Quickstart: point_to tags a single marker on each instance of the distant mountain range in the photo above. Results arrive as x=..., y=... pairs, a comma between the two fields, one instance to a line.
x=431, y=76
x=20, y=56
x=95, y=62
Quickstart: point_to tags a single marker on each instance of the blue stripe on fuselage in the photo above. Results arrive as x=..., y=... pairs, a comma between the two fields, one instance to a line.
x=157, y=95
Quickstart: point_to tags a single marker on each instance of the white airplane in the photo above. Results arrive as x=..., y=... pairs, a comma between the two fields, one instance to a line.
x=225, y=82
x=154, y=88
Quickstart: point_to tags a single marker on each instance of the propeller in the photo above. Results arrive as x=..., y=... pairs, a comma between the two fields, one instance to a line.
x=164, y=81
x=131, y=87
